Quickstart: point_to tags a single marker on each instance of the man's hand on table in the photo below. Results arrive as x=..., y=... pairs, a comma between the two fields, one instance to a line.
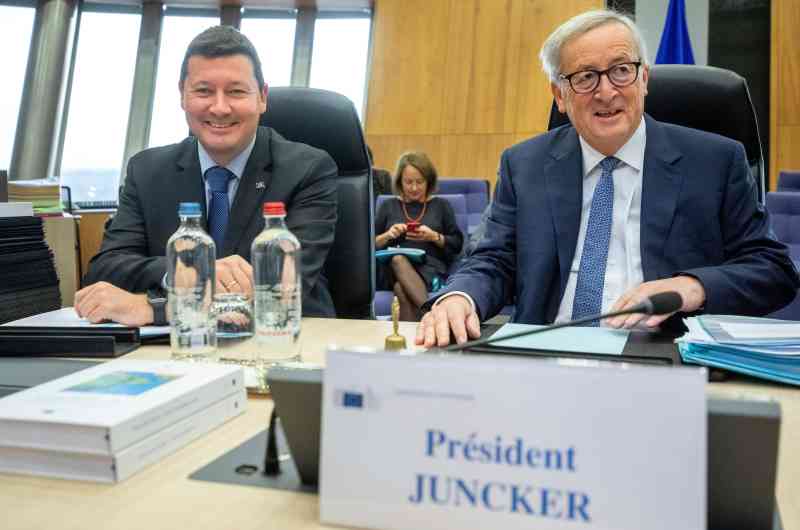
x=101, y=302
x=234, y=275
x=452, y=313
x=690, y=289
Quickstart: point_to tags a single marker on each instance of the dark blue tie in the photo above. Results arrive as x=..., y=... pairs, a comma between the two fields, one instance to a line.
x=592, y=271
x=217, y=178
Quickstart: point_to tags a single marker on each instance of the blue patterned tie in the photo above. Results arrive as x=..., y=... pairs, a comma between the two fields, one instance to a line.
x=592, y=272
x=217, y=178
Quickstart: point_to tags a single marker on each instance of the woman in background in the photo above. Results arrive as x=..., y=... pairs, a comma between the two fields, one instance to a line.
x=416, y=219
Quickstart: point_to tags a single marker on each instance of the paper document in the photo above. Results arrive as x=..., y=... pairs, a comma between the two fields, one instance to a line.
x=762, y=331
x=601, y=340
x=750, y=331
x=760, y=347
x=68, y=317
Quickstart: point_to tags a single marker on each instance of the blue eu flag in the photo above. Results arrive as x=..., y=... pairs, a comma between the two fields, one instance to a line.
x=353, y=399
x=675, y=47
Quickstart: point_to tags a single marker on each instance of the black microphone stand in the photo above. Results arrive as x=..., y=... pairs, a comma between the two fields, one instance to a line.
x=272, y=465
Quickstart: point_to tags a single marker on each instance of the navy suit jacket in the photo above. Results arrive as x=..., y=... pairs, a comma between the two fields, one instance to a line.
x=700, y=217
x=132, y=255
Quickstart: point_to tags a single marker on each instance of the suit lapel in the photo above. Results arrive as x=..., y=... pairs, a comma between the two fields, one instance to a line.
x=188, y=184
x=249, y=195
x=660, y=190
x=564, y=188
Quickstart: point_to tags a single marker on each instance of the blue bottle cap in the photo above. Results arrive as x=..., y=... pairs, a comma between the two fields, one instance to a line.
x=189, y=209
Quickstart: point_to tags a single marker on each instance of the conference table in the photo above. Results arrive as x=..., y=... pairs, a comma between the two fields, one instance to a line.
x=162, y=495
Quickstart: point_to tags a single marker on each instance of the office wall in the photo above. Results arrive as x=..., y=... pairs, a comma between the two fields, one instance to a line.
x=459, y=79
x=784, y=89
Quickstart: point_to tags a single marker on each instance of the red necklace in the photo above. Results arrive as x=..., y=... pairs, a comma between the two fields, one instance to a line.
x=410, y=219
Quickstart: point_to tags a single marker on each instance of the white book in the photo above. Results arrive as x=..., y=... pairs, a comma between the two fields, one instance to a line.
x=118, y=467
x=103, y=409
x=16, y=209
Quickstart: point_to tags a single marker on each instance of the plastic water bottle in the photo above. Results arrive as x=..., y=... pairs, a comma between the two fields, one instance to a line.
x=191, y=257
x=275, y=255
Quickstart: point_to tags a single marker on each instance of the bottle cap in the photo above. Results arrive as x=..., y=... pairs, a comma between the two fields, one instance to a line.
x=274, y=208
x=189, y=209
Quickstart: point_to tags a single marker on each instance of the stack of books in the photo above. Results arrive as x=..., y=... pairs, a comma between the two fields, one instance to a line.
x=45, y=194
x=760, y=347
x=107, y=422
x=28, y=278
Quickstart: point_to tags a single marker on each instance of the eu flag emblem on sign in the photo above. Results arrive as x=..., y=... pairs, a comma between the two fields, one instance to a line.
x=675, y=47
x=353, y=399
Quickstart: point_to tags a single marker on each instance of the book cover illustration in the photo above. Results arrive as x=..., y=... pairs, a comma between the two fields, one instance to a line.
x=123, y=383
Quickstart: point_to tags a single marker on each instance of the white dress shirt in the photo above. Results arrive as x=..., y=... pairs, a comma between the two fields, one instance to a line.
x=624, y=263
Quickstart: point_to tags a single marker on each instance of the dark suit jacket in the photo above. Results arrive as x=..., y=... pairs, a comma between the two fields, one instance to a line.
x=700, y=216
x=133, y=249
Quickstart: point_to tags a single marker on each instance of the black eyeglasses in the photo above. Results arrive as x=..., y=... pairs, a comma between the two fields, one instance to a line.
x=620, y=75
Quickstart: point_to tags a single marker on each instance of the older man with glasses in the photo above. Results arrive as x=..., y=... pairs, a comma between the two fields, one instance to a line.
x=597, y=215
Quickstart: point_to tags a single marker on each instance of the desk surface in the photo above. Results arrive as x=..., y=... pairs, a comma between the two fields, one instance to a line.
x=162, y=496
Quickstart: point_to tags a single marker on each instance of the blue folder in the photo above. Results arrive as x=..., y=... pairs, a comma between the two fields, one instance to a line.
x=754, y=362
x=416, y=255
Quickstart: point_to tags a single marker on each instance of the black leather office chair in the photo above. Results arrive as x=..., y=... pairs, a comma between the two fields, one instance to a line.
x=328, y=121
x=702, y=97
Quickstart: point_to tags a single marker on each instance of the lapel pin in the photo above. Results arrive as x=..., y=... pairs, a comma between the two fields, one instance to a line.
x=260, y=185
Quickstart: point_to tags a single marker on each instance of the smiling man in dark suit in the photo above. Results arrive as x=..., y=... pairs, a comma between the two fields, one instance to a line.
x=615, y=207
x=223, y=94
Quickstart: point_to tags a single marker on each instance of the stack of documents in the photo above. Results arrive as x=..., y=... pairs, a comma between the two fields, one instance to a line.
x=28, y=279
x=109, y=421
x=761, y=347
x=45, y=194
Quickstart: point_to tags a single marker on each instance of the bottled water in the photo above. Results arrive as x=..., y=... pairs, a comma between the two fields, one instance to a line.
x=191, y=257
x=277, y=284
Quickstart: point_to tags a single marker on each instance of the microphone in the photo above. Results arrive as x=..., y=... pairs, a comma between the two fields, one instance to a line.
x=658, y=304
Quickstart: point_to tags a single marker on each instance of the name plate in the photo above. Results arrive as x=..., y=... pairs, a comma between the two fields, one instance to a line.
x=470, y=442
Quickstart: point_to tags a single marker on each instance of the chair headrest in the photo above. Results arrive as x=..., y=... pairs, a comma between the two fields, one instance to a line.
x=463, y=185
x=456, y=200
x=701, y=97
x=789, y=181
x=322, y=119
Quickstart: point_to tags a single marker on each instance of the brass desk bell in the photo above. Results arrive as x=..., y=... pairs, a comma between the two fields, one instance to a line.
x=395, y=341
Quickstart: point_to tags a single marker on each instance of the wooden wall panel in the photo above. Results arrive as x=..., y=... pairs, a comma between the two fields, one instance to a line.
x=788, y=61
x=539, y=19
x=471, y=81
x=386, y=149
x=787, y=149
x=409, y=47
x=454, y=155
x=773, y=99
x=784, y=89
x=480, y=80
x=473, y=155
